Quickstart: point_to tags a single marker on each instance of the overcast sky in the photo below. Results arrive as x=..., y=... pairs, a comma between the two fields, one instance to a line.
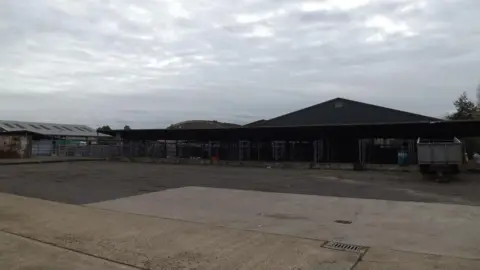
x=151, y=63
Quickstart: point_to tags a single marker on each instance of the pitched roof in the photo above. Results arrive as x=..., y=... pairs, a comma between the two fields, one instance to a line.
x=49, y=129
x=201, y=124
x=255, y=123
x=340, y=111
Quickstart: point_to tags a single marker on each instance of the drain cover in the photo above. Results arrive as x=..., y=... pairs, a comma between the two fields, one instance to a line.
x=344, y=247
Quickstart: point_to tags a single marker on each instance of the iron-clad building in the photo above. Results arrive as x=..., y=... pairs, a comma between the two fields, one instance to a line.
x=41, y=139
x=338, y=130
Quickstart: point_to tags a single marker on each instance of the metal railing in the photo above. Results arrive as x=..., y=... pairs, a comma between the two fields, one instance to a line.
x=94, y=151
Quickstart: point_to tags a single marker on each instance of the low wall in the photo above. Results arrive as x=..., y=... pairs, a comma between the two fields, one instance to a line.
x=278, y=165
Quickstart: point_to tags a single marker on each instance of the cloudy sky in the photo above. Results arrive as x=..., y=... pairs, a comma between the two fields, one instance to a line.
x=151, y=63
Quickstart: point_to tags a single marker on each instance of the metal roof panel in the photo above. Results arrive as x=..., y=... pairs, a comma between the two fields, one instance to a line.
x=50, y=129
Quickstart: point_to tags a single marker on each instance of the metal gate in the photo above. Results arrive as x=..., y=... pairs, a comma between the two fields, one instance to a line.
x=244, y=150
x=278, y=150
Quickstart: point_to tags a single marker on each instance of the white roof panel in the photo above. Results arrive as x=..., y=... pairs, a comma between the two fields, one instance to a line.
x=50, y=129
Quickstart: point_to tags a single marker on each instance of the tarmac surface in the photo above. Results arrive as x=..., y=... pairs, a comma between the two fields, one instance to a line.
x=89, y=182
x=44, y=160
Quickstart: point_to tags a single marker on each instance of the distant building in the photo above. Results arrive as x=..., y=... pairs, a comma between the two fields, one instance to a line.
x=202, y=124
x=49, y=129
x=337, y=130
x=23, y=139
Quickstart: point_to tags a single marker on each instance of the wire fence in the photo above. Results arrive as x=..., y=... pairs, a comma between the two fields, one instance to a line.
x=278, y=151
x=97, y=151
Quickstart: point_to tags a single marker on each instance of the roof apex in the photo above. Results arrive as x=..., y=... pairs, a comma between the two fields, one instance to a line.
x=352, y=112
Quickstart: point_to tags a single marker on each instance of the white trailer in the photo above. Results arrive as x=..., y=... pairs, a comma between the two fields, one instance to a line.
x=440, y=156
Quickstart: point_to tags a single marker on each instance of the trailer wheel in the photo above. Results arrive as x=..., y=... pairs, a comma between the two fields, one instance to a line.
x=454, y=169
x=424, y=169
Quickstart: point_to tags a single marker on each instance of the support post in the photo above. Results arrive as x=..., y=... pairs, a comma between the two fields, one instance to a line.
x=320, y=150
x=176, y=149
x=165, y=148
x=411, y=152
x=240, y=149
x=361, y=155
x=361, y=152
x=210, y=150
x=288, y=151
x=328, y=150
x=258, y=150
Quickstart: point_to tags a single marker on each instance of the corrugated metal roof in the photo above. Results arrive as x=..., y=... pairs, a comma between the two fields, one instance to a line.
x=50, y=129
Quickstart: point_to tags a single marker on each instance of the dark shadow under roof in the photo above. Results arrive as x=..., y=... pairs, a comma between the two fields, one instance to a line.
x=340, y=111
x=410, y=130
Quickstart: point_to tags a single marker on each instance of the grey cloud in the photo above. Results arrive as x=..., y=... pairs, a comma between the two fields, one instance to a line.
x=155, y=63
x=325, y=17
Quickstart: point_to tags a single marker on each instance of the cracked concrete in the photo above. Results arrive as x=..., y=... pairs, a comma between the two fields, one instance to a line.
x=77, y=237
x=155, y=243
x=21, y=253
x=380, y=259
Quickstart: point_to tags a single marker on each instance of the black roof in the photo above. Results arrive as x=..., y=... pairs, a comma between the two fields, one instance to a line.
x=201, y=124
x=413, y=130
x=341, y=111
x=255, y=123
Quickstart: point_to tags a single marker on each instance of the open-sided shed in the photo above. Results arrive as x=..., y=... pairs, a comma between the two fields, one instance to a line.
x=338, y=130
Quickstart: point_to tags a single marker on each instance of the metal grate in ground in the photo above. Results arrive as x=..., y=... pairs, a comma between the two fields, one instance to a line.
x=344, y=247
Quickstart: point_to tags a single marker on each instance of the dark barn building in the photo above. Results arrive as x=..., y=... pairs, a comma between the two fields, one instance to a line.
x=345, y=147
x=335, y=131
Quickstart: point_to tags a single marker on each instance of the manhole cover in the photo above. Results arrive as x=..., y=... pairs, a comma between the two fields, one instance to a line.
x=343, y=221
x=344, y=247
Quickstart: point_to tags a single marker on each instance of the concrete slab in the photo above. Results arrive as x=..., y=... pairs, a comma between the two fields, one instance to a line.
x=155, y=243
x=442, y=229
x=20, y=253
x=380, y=259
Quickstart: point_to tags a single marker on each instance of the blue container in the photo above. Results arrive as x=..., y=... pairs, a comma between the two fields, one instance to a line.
x=402, y=158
